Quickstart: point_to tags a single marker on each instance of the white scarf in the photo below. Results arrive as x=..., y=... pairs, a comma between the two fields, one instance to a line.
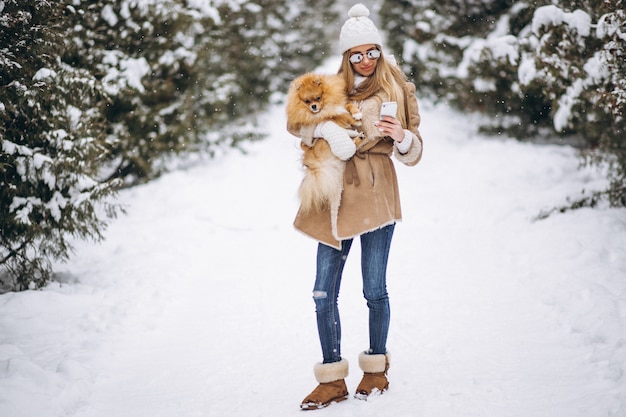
x=358, y=80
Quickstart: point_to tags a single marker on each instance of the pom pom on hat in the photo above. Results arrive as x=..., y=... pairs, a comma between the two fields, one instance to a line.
x=358, y=29
x=359, y=10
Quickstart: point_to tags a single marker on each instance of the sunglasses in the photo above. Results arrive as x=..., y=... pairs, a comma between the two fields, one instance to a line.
x=372, y=55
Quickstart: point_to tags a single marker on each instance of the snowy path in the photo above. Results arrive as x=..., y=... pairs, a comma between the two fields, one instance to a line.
x=198, y=303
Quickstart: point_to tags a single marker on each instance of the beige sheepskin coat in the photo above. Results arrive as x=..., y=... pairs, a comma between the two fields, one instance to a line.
x=370, y=198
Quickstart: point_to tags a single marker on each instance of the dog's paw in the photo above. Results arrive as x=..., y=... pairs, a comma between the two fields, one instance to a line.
x=357, y=116
x=354, y=133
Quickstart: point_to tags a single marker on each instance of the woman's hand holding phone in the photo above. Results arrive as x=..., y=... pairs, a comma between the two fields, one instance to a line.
x=388, y=123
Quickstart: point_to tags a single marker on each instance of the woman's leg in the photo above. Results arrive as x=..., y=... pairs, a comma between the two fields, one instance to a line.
x=374, y=255
x=330, y=263
x=330, y=373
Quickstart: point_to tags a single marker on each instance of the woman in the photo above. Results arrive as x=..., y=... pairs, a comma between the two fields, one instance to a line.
x=369, y=206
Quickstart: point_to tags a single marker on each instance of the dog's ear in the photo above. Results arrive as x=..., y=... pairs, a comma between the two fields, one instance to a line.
x=317, y=81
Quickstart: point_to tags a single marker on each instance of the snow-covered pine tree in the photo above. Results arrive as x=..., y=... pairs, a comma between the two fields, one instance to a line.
x=253, y=53
x=556, y=65
x=143, y=54
x=184, y=76
x=98, y=89
x=605, y=101
x=51, y=145
x=304, y=36
x=432, y=36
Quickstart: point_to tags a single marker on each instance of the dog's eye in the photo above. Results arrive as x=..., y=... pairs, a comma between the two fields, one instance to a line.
x=307, y=101
x=318, y=98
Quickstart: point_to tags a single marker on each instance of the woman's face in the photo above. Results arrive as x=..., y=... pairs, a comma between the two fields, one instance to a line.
x=364, y=59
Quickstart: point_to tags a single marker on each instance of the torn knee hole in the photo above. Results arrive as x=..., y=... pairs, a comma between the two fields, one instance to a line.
x=320, y=294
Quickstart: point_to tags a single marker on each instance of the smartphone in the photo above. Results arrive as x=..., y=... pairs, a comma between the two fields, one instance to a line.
x=389, y=108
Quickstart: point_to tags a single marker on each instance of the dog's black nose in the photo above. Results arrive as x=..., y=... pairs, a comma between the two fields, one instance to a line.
x=314, y=106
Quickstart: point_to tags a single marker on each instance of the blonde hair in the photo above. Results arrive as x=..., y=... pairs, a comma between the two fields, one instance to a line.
x=386, y=77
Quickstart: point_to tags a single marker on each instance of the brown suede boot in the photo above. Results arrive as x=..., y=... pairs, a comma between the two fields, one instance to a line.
x=374, y=379
x=331, y=388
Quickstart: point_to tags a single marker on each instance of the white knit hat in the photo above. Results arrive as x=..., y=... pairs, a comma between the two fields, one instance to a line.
x=358, y=29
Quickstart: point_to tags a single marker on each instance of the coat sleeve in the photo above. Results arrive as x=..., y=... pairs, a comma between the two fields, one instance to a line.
x=414, y=154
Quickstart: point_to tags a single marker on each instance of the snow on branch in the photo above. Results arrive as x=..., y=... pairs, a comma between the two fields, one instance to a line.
x=553, y=16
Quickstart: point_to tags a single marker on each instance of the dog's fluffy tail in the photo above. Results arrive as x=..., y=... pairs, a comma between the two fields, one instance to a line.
x=323, y=178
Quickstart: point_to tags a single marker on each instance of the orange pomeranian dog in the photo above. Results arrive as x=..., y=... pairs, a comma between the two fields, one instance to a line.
x=313, y=99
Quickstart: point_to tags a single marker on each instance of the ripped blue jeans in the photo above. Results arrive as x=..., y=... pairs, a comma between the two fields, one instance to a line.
x=330, y=263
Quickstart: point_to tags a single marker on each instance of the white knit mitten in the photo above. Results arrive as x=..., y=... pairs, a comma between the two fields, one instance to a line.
x=339, y=140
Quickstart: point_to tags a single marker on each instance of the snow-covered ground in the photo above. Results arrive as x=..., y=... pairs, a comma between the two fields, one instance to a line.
x=199, y=301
